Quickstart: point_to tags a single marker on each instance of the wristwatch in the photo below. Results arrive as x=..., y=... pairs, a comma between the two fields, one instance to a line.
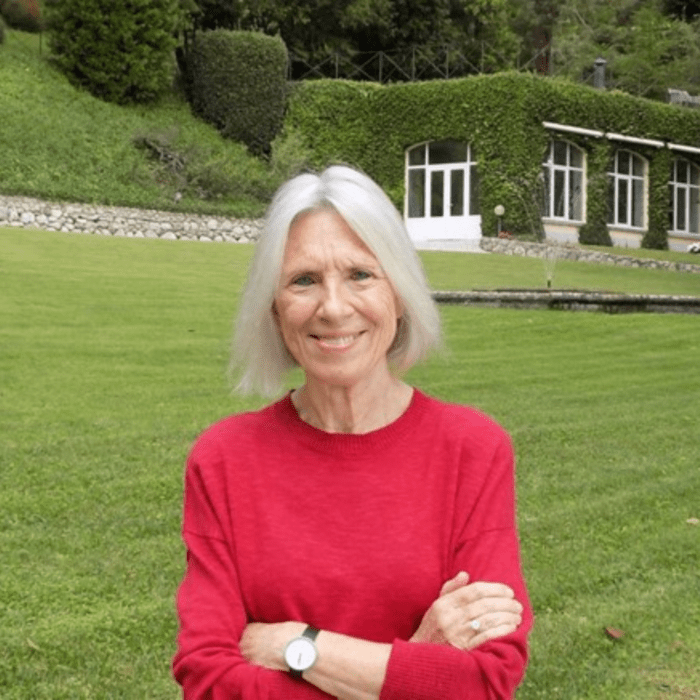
x=301, y=653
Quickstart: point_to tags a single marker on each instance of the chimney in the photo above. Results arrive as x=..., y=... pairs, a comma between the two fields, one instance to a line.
x=599, y=73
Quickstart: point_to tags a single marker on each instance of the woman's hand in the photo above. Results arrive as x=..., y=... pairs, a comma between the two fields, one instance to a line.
x=466, y=615
x=263, y=644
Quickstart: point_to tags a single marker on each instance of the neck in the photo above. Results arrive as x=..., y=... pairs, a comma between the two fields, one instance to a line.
x=356, y=409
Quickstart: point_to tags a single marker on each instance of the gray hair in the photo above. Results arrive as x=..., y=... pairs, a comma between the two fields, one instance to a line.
x=260, y=357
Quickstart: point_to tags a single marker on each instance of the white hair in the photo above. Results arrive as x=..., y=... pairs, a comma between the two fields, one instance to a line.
x=260, y=357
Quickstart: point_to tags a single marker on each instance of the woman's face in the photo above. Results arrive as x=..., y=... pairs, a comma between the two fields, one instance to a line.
x=335, y=307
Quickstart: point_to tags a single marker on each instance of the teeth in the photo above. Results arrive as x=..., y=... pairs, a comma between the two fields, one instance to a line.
x=337, y=341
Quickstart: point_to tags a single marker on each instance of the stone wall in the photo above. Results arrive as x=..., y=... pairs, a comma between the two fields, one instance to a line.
x=26, y=212
x=554, y=252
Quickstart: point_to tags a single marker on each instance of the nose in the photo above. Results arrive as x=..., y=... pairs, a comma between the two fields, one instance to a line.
x=334, y=303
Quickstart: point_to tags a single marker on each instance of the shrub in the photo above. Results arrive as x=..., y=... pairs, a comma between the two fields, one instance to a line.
x=120, y=51
x=22, y=14
x=238, y=83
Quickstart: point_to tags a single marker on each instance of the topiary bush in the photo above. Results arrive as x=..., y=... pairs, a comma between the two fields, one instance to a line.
x=24, y=15
x=120, y=51
x=237, y=82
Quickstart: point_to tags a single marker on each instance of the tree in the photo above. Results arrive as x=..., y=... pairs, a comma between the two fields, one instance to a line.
x=647, y=50
x=120, y=51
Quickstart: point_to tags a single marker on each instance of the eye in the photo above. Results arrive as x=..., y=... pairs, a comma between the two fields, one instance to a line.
x=360, y=275
x=303, y=280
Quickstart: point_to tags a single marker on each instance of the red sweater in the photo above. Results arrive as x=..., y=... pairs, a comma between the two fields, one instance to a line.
x=349, y=533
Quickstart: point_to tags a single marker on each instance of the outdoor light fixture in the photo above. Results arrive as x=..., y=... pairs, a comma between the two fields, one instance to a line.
x=499, y=210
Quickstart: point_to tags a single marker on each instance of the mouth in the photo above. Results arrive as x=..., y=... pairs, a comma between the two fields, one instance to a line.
x=336, y=342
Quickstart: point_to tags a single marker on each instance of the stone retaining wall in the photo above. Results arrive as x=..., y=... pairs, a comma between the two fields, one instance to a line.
x=567, y=300
x=27, y=212
x=554, y=252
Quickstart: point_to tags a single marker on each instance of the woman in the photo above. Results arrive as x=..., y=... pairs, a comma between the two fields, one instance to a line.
x=355, y=539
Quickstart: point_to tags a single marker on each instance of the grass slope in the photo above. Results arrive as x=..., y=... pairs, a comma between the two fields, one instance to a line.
x=60, y=143
x=113, y=359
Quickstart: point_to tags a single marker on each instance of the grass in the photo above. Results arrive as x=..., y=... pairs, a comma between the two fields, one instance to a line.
x=113, y=359
x=449, y=271
x=60, y=143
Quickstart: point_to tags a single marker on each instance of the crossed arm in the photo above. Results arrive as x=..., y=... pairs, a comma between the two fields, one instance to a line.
x=354, y=669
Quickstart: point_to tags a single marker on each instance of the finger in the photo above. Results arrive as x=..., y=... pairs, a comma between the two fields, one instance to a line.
x=483, y=589
x=484, y=606
x=459, y=581
x=490, y=633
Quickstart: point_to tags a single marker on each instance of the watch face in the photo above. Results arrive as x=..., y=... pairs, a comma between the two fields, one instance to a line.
x=300, y=654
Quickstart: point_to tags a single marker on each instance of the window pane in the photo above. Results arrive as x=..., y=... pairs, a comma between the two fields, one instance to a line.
x=457, y=193
x=638, y=203
x=671, y=208
x=547, y=193
x=622, y=201
x=416, y=193
x=575, y=198
x=576, y=157
x=637, y=166
x=693, y=210
x=694, y=171
x=474, y=190
x=447, y=152
x=472, y=153
x=560, y=150
x=680, y=209
x=623, y=163
x=416, y=156
x=681, y=171
x=611, y=201
x=559, y=193
x=436, y=193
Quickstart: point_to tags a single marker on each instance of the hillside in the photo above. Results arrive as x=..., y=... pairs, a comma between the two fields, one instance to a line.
x=61, y=143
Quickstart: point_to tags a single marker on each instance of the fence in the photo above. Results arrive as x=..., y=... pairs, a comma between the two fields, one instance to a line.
x=410, y=64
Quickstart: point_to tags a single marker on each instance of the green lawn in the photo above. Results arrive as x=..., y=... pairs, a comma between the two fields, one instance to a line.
x=112, y=359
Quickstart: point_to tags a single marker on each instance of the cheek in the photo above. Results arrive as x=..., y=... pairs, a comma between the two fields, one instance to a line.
x=290, y=314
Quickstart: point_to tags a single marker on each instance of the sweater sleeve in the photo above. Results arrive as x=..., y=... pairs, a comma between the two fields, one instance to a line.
x=208, y=663
x=486, y=546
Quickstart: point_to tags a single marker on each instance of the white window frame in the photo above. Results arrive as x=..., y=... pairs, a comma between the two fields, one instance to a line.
x=434, y=170
x=567, y=174
x=685, y=198
x=632, y=182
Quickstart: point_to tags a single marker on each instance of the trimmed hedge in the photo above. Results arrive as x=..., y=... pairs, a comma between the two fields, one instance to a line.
x=501, y=115
x=237, y=82
x=120, y=51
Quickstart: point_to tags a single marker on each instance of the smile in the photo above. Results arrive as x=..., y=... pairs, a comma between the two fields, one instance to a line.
x=336, y=342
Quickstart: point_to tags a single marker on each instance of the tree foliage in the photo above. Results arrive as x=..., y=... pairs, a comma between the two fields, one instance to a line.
x=120, y=51
x=479, y=31
x=22, y=14
x=649, y=45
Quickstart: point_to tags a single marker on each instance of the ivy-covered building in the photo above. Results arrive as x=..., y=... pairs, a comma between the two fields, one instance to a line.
x=531, y=155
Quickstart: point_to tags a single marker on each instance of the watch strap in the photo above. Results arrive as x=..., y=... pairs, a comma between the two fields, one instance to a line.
x=310, y=632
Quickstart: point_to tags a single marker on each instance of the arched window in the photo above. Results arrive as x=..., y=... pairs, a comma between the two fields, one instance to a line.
x=442, y=180
x=627, y=191
x=684, y=189
x=563, y=182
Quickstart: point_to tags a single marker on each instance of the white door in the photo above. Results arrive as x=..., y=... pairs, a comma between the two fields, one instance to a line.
x=442, y=201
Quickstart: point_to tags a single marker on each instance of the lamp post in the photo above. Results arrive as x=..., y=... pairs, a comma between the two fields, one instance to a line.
x=499, y=210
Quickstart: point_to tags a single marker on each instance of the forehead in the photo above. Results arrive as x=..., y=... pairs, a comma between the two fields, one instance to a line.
x=321, y=234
